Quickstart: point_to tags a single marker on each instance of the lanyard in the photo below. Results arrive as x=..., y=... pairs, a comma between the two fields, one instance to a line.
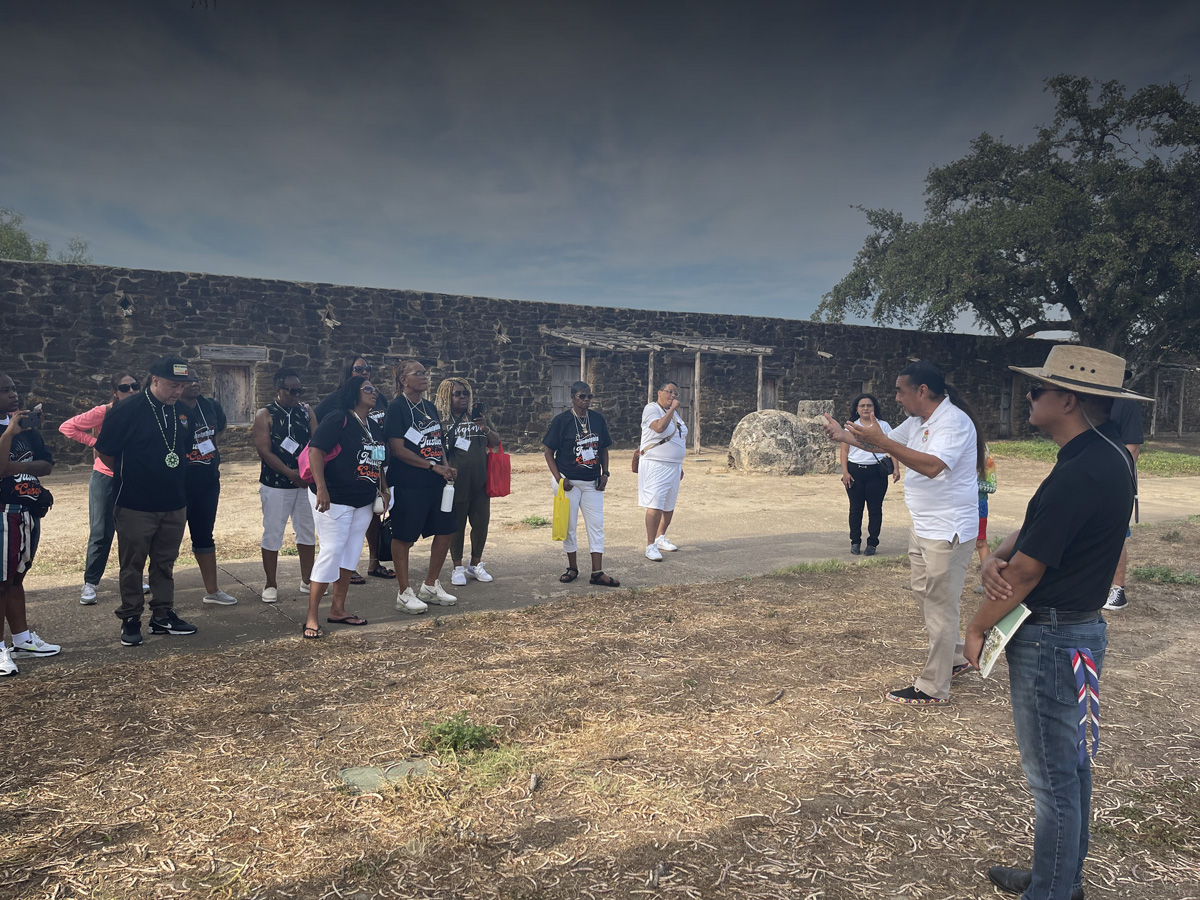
x=1087, y=682
x=414, y=408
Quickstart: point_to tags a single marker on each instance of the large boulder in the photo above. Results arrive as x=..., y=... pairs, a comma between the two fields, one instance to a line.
x=807, y=409
x=775, y=442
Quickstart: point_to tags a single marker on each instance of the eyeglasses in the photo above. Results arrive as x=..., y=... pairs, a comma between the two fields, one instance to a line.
x=460, y=394
x=369, y=389
x=362, y=370
x=126, y=388
x=666, y=391
x=1037, y=389
x=420, y=373
x=295, y=392
x=585, y=396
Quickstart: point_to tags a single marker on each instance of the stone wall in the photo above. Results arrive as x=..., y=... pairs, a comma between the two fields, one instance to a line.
x=65, y=328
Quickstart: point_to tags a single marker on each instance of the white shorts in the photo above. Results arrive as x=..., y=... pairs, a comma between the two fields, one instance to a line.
x=658, y=484
x=340, y=530
x=280, y=504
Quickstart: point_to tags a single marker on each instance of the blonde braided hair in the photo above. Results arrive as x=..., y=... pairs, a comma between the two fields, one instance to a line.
x=444, y=391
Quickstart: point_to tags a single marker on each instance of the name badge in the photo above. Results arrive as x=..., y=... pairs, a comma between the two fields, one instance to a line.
x=206, y=446
x=289, y=445
x=462, y=442
x=377, y=453
x=413, y=436
x=587, y=454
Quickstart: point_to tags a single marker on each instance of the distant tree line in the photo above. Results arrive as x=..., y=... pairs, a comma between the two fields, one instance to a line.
x=17, y=243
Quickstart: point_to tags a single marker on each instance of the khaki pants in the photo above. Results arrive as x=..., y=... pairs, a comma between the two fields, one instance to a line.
x=939, y=569
x=142, y=535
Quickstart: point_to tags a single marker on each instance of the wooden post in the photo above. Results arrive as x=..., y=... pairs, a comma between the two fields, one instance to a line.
x=760, y=382
x=650, y=379
x=696, y=407
x=1154, y=408
x=583, y=363
x=1182, y=383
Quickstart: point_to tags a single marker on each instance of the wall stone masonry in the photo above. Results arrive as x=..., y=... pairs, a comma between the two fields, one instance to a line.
x=65, y=328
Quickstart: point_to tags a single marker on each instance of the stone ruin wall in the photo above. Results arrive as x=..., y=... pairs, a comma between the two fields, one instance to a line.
x=65, y=328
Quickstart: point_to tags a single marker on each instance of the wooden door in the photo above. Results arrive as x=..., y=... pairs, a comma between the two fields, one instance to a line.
x=233, y=388
x=683, y=374
x=563, y=374
x=770, y=392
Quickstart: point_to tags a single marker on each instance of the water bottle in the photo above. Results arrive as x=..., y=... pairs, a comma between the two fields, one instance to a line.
x=448, y=497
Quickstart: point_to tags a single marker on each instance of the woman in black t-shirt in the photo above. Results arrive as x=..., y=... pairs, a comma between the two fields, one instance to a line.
x=576, y=447
x=343, y=495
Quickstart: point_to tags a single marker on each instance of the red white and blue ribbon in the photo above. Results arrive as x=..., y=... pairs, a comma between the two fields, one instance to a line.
x=1087, y=681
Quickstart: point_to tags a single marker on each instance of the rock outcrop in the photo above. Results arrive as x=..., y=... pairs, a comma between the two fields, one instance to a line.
x=778, y=443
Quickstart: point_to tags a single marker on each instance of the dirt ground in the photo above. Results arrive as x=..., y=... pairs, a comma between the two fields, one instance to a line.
x=721, y=740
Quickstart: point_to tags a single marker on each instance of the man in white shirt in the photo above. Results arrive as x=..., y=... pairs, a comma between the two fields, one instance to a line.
x=939, y=447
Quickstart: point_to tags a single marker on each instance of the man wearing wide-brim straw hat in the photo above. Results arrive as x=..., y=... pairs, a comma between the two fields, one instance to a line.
x=1060, y=565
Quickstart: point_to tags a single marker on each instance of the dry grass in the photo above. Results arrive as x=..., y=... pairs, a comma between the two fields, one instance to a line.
x=717, y=741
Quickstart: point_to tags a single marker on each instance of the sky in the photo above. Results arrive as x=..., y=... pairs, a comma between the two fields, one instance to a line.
x=693, y=156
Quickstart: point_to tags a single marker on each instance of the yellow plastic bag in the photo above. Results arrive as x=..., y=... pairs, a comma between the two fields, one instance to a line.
x=562, y=512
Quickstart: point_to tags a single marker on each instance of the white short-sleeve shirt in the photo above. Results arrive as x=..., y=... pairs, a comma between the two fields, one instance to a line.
x=671, y=445
x=861, y=457
x=946, y=506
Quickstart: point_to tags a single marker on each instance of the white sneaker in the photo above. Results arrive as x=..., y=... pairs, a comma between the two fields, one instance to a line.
x=7, y=666
x=270, y=595
x=33, y=647
x=221, y=599
x=406, y=601
x=479, y=573
x=662, y=542
x=305, y=585
x=87, y=596
x=145, y=588
x=459, y=577
x=433, y=594
x=652, y=553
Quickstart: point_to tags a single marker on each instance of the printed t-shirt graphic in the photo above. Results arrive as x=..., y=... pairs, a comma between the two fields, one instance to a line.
x=417, y=424
x=26, y=446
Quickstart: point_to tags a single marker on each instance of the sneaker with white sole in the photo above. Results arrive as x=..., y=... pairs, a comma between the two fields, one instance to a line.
x=662, y=542
x=87, y=596
x=479, y=573
x=270, y=595
x=433, y=594
x=33, y=647
x=131, y=631
x=221, y=598
x=652, y=553
x=459, y=577
x=170, y=623
x=7, y=666
x=406, y=601
x=145, y=588
x=1116, y=598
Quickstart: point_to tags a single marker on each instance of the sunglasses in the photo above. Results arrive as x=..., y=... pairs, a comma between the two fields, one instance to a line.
x=585, y=396
x=295, y=392
x=369, y=389
x=460, y=394
x=1037, y=389
x=362, y=370
x=421, y=373
x=126, y=388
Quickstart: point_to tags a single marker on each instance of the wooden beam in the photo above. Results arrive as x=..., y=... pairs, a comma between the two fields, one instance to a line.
x=760, y=397
x=1182, y=383
x=1154, y=409
x=696, y=407
x=650, y=379
x=583, y=363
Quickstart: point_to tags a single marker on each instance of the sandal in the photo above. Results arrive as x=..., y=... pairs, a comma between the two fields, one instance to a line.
x=349, y=619
x=568, y=576
x=357, y=579
x=311, y=634
x=604, y=580
x=380, y=572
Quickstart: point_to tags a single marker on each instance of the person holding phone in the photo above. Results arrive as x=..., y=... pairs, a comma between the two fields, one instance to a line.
x=576, y=448
x=660, y=467
x=24, y=459
x=84, y=429
x=468, y=438
x=865, y=478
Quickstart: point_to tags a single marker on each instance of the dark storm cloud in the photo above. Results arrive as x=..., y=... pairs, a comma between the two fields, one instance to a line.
x=681, y=155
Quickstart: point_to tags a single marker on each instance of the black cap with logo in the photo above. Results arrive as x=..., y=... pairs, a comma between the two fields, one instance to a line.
x=172, y=368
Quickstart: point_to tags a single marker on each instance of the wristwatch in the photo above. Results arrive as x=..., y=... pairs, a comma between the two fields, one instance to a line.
x=432, y=463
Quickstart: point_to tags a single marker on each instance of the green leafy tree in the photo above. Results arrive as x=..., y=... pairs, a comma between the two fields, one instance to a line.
x=16, y=243
x=1093, y=228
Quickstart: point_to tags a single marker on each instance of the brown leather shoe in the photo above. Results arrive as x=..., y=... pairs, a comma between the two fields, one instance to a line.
x=1017, y=881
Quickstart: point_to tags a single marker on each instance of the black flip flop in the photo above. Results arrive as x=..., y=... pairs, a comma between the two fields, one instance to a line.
x=347, y=620
x=311, y=634
x=381, y=572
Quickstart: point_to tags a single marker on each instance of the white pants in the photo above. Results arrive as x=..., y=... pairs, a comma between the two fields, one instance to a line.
x=583, y=495
x=280, y=504
x=658, y=484
x=340, y=530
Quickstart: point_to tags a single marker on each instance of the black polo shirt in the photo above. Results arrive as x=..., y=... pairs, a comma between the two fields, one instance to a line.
x=140, y=433
x=1076, y=521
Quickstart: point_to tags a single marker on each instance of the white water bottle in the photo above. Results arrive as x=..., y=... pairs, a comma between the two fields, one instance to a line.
x=448, y=497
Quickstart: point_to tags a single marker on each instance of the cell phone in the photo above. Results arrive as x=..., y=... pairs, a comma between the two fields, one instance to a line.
x=32, y=420
x=477, y=411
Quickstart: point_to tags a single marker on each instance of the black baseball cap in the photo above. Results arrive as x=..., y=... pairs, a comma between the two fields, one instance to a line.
x=172, y=368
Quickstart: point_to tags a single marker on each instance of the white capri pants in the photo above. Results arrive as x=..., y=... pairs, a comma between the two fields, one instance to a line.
x=340, y=531
x=280, y=504
x=583, y=495
x=658, y=484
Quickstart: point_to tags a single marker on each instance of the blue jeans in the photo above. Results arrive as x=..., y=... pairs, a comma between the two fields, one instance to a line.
x=1046, y=715
x=100, y=526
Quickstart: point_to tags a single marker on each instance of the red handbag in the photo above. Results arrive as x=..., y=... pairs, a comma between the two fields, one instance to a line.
x=499, y=473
